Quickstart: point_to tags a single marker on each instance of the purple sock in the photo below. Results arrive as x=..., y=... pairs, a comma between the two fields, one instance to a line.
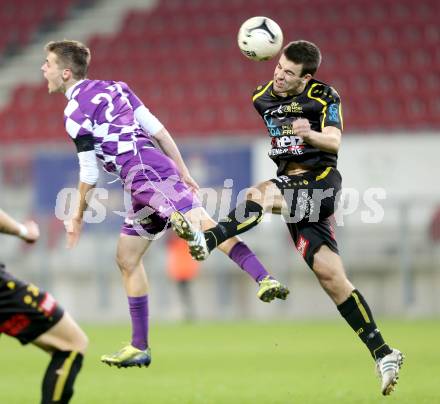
x=247, y=261
x=139, y=321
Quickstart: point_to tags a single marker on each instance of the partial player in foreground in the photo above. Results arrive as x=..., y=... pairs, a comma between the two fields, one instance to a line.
x=304, y=120
x=33, y=316
x=106, y=120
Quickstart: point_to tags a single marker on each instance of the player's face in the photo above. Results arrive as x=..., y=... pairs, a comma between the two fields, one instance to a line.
x=287, y=77
x=54, y=74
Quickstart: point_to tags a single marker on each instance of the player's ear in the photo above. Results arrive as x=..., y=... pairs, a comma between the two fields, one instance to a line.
x=67, y=74
x=306, y=78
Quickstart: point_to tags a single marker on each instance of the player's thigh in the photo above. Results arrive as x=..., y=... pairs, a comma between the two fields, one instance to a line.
x=130, y=250
x=327, y=264
x=330, y=272
x=310, y=237
x=268, y=195
x=65, y=335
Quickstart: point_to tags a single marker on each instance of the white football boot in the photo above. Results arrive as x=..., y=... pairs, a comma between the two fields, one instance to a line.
x=195, y=238
x=388, y=370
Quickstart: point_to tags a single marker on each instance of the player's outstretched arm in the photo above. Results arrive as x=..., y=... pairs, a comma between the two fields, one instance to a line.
x=328, y=140
x=73, y=226
x=88, y=177
x=28, y=231
x=169, y=147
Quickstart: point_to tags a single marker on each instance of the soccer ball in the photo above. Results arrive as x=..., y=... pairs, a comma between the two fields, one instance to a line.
x=260, y=38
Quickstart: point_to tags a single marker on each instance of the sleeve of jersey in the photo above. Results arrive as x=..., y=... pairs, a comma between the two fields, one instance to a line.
x=80, y=129
x=89, y=172
x=256, y=105
x=258, y=92
x=147, y=120
x=142, y=114
x=332, y=111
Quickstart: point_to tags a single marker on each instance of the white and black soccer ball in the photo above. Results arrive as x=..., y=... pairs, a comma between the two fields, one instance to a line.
x=260, y=38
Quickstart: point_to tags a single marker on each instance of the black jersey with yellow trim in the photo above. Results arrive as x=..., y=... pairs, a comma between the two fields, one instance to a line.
x=319, y=103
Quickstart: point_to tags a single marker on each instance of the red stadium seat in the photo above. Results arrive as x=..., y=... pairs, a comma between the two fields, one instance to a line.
x=383, y=57
x=21, y=20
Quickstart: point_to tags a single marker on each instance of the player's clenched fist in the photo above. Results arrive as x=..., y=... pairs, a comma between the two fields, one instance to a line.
x=301, y=128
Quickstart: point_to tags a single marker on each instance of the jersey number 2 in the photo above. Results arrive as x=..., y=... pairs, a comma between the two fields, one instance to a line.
x=110, y=107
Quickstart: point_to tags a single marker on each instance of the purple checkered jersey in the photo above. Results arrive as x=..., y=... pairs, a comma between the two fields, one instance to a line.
x=107, y=117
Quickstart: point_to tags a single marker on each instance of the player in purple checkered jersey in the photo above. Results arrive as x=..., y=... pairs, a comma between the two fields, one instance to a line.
x=108, y=122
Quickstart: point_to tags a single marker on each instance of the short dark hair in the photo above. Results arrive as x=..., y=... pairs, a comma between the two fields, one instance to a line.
x=71, y=54
x=305, y=53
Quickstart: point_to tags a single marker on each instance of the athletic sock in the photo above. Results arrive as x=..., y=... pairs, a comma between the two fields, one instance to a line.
x=139, y=321
x=247, y=261
x=358, y=315
x=57, y=386
x=243, y=218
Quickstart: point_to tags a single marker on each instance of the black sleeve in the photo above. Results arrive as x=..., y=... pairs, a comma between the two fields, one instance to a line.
x=332, y=114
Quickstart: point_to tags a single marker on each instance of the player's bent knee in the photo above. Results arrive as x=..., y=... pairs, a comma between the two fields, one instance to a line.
x=227, y=245
x=332, y=278
x=78, y=341
x=323, y=274
x=257, y=192
x=324, y=271
x=67, y=336
x=266, y=195
x=81, y=342
x=254, y=194
x=261, y=199
x=126, y=263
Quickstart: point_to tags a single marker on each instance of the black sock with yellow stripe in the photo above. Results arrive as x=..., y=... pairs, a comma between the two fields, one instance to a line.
x=245, y=216
x=358, y=315
x=60, y=375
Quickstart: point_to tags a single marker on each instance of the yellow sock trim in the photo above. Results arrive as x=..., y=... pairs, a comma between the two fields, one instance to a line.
x=361, y=308
x=247, y=222
x=374, y=352
x=61, y=381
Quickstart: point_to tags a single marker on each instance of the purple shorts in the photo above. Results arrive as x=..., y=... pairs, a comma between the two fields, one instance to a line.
x=152, y=191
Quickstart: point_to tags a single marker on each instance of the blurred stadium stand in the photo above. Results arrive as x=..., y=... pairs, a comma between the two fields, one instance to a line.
x=181, y=58
x=23, y=20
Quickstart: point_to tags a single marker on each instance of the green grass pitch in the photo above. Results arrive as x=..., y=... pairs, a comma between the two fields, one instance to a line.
x=239, y=363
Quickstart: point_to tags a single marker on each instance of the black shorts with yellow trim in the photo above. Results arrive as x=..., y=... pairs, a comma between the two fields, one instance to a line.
x=26, y=312
x=311, y=198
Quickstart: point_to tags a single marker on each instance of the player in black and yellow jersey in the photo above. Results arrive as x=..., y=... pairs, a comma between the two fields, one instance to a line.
x=304, y=120
x=32, y=315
